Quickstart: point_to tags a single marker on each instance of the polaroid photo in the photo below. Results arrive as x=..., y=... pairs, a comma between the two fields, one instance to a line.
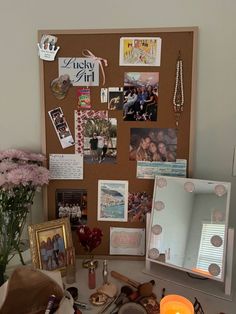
x=140, y=51
x=112, y=200
x=61, y=127
x=115, y=98
x=127, y=241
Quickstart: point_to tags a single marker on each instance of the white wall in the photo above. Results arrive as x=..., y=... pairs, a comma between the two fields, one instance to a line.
x=216, y=81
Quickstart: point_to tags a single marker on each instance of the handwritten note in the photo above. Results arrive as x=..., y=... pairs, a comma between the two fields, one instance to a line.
x=66, y=166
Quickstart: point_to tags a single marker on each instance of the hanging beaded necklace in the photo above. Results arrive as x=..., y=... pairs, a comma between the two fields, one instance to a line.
x=178, y=99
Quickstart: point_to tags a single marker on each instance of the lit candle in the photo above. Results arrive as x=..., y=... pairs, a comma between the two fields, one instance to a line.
x=175, y=304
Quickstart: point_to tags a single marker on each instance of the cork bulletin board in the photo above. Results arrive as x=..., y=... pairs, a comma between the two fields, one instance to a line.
x=106, y=44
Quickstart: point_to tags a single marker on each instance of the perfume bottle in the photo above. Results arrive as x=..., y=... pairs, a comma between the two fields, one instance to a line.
x=91, y=276
x=105, y=272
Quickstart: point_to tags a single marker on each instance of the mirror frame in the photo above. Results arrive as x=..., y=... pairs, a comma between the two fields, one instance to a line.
x=164, y=180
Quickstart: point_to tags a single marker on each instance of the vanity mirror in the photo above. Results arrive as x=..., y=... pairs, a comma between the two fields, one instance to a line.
x=188, y=226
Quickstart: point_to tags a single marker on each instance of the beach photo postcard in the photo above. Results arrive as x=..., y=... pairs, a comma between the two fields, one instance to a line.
x=112, y=200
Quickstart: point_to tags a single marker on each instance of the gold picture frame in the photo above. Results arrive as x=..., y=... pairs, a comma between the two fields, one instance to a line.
x=49, y=242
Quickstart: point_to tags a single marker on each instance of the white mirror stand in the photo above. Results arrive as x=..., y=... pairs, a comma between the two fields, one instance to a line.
x=220, y=290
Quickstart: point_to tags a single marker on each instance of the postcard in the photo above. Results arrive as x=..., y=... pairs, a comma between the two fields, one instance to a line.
x=140, y=51
x=82, y=71
x=72, y=203
x=66, y=166
x=112, y=200
x=127, y=241
x=149, y=169
x=61, y=127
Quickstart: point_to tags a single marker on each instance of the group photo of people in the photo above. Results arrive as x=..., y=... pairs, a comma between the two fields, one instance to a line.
x=140, y=96
x=52, y=251
x=153, y=144
x=72, y=204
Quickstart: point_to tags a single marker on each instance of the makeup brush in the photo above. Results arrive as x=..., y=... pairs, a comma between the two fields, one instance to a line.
x=125, y=291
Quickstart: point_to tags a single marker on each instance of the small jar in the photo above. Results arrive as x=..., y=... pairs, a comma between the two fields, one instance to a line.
x=91, y=276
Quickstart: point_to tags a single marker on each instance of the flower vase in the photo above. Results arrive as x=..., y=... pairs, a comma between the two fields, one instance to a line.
x=11, y=226
x=2, y=273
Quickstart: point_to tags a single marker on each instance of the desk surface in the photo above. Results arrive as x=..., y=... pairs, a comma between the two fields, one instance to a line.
x=134, y=270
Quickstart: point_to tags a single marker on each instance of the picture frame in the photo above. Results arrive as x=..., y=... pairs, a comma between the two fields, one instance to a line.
x=49, y=242
x=112, y=200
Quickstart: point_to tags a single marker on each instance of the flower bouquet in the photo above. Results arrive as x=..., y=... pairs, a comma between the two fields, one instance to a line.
x=89, y=239
x=21, y=174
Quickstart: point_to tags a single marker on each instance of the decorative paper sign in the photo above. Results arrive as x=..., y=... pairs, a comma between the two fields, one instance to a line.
x=127, y=241
x=83, y=95
x=150, y=169
x=112, y=200
x=47, y=47
x=82, y=71
x=61, y=127
x=140, y=51
x=66, y=166
x=81, y=117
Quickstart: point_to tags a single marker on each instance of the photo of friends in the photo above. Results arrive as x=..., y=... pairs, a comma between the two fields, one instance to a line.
x=72, y=203
x=52, y=249
x=153, y=144
x=140, y=96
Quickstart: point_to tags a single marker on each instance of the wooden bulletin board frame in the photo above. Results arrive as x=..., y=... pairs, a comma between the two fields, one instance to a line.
x=105, y=43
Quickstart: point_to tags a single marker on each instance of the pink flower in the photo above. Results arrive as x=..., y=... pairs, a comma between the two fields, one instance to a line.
x=36, y=157
x=14, y=154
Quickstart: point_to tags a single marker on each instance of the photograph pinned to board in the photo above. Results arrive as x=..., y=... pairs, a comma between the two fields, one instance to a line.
x=61, y=127
x=81, y=117
x=153, y=144
x=140, y=96
x=60, y=86
x=103, y=95
x=115, y=98
x=66, y=166
x=72, y=203
x=139, y=204
x=84, y=101
x=140, y=51
x=127, y=241
x=82, y=71
x=100, y=141
x=150, y=169
x=47, y=48
x=112, y=200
